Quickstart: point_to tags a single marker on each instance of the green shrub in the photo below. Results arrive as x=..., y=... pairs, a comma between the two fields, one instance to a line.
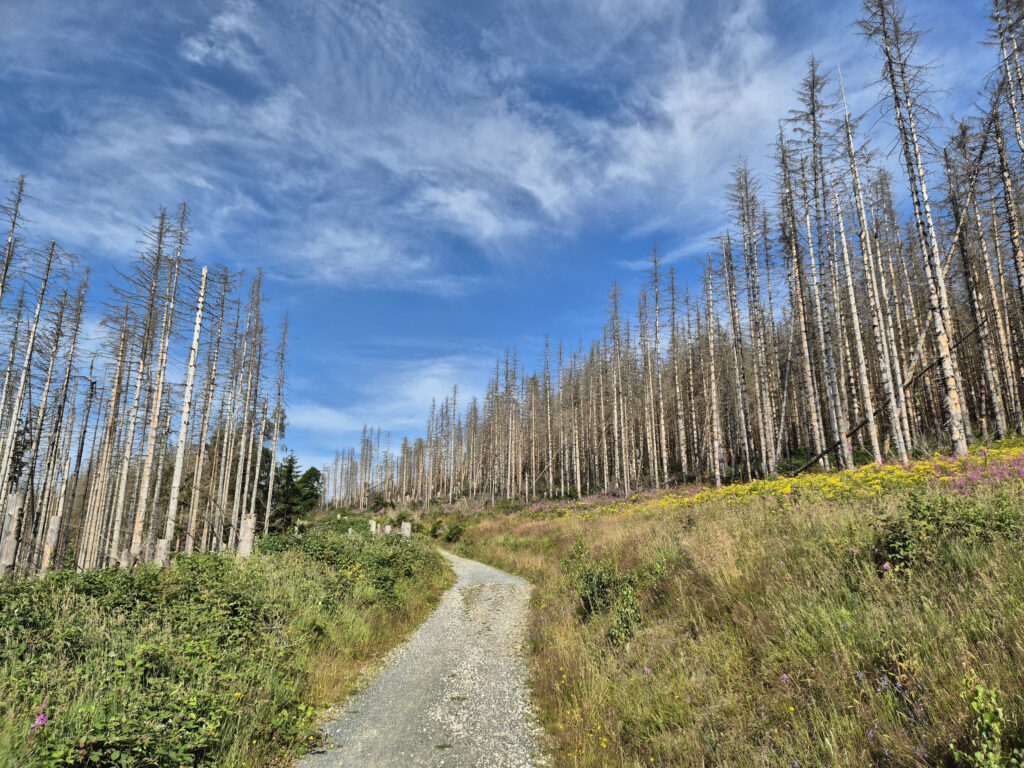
x=914, y=536
x=986, y=747
x=627, y=616
x=602, y=589
x=378, y=501
x=453, y=532
x=205, y=663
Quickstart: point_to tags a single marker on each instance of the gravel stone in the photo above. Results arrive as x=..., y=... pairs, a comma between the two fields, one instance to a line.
x=455, y=694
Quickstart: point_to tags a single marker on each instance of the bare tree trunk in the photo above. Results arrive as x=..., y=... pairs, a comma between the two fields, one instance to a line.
x=26, y=542
x=278, y=418
x=739, y=369
x=978, y=314
x=1012, y=216
x=656, y=369
x=14, y=207
x=716, y=432
x=862, y=368
x=247, y=538
x=134, y=553
x=12, y=509
x=163, y=545
x=674, y=351
x=893, y=37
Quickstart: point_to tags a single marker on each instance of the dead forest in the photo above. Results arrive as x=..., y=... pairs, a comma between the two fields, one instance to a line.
x=154, y=431
x=862, y=304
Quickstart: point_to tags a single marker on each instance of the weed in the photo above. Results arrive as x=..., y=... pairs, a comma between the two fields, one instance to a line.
x=986, y=742
x=915, y=534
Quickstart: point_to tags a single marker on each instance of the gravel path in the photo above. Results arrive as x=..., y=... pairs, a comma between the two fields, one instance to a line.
x=455, y=695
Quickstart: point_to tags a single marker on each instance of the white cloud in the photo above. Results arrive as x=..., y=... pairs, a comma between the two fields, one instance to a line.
x=315, y=417
x=232, y=38
x=393, y=394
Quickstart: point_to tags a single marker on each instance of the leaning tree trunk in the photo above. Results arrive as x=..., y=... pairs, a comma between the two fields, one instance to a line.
x=10, y=247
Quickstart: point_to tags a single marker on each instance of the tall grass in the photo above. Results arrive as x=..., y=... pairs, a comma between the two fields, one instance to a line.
x=792, y=626
x=213, y=661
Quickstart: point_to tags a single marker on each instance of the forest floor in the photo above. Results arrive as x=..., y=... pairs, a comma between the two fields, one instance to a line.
x=455, y=694
x=870, y=617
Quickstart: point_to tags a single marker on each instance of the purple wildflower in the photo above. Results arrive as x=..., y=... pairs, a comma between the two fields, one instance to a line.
x=647, y=672
x=785, y=679
x=40, y=721
x=886, y=566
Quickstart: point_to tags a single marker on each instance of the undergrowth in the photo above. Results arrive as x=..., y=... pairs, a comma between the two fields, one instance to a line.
x=213, y=661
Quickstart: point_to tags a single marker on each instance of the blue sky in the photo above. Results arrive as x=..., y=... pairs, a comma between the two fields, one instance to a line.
x=426, y=182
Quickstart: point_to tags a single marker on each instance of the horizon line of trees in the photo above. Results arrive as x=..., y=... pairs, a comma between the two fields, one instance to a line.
x=150, y=439
x=834, y=316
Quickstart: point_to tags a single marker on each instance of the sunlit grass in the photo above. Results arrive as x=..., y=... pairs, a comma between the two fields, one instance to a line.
x=774, y=631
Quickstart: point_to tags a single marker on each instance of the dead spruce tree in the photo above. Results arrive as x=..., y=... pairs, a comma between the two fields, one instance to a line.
x=101, y=460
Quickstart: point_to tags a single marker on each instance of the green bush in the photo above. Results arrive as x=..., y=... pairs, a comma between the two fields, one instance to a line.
x=204, y=663
x=602, y=589
x=378, y=501
x=914, y=536
x=986, y=748
x=453, y=532
x=627, y=616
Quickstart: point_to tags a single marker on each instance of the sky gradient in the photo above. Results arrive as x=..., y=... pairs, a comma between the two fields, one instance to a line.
x=426, y=182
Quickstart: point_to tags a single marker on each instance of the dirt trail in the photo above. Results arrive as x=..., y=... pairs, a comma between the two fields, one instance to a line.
x=455, y=694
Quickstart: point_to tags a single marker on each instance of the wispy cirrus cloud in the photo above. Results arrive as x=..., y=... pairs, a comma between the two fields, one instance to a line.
x=366, y=146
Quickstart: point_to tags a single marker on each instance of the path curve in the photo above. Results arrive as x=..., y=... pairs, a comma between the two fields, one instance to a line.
x=455, y=694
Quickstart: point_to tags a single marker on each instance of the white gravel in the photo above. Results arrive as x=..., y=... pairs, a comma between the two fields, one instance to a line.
x=455, y=695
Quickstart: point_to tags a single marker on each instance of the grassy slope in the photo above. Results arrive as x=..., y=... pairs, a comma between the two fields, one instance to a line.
x=821, y=621
x=213, y=661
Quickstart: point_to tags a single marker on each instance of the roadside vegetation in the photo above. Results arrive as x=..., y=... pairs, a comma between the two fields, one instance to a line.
x=870, y=617
x=212, y=661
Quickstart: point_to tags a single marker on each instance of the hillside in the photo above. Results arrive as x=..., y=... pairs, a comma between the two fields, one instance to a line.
x=844, y=619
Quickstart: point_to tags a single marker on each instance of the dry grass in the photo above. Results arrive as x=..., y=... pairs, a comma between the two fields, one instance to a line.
x=771, y=631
